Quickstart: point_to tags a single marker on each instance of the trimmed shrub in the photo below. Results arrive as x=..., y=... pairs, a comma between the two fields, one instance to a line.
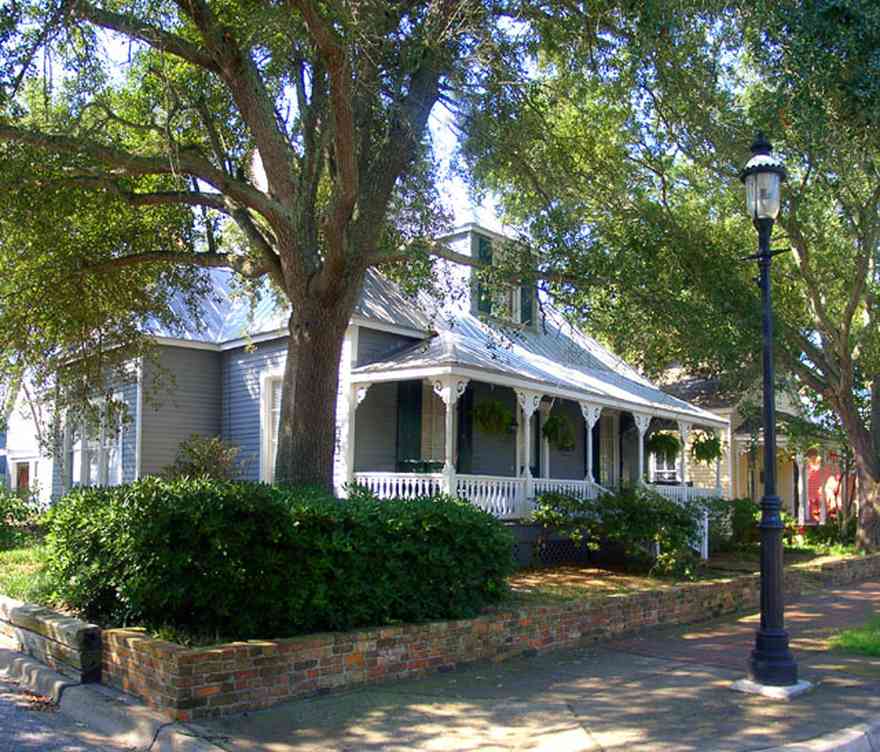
x=201, y=455
x=635, y=517
x=246, y=560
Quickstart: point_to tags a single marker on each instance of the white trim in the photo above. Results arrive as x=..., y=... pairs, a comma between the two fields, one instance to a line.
x=189, y=344
x=382, y=326
x=139, y=421
x=406, y=374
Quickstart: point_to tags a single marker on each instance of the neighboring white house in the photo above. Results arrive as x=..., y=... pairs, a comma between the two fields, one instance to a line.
x=414, y=383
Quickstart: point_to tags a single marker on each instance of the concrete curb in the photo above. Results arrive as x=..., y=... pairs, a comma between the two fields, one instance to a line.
x=862, y=738
x=104, y=711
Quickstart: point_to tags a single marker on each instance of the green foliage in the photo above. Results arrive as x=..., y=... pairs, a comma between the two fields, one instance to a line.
x=705, y=447
x=862, y=640
x=205, y=456
x=835, y=532
x=16, y=511
x=493, y=417
x=664, y=444
x=559, y=431
x=635, y=517
x=745, y=515
x=245, y=560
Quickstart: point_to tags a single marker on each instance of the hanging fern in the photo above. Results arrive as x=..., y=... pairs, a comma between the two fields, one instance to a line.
x=493, y=417
x=663, y=444
x=557, y=429
x=706, y=447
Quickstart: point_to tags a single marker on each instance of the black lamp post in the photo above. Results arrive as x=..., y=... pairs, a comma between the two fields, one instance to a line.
x=771, y=662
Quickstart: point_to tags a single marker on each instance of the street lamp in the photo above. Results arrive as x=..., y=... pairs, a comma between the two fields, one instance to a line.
x=771, y=663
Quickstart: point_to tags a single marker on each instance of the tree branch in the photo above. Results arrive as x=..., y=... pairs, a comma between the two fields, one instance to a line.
x=240, y=264
x=156, y=38
x=187, y=161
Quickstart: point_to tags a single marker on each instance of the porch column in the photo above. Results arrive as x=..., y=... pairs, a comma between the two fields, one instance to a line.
x=529, y=402
x=684, y=428
x=355, y=397
x=801, y=487
x=591, y=415
x=642, y=422
x=449, y=389
x=544, y=410
x=823, y=502
x=718, y=490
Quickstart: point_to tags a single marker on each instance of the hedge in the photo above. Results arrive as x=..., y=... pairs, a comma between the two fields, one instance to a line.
x=246, y=560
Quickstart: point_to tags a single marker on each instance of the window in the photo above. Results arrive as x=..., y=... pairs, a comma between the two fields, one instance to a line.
x=665, y=468
x=515, y=303
x=269, y=424
x=93, y=453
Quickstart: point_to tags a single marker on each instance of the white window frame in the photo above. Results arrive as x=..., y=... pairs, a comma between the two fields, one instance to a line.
x=70, y=454
x=267, y=463
x=659, y=475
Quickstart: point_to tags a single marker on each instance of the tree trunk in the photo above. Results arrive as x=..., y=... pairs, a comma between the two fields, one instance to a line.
x=868, y=535
x=307, y=428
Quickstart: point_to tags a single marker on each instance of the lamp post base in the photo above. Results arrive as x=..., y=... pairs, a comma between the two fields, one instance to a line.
x=771, y=662
x=772, y=691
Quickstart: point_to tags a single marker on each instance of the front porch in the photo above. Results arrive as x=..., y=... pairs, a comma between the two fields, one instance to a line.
x=413, y=437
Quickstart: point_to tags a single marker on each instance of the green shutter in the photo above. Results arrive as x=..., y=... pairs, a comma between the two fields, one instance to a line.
x=409, y=424
x=484, y=295
x=526, y=304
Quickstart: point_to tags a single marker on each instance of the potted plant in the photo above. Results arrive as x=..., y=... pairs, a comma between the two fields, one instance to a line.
x=663, y=444
x=493, y=417
x=706, y=447
x=557, y=429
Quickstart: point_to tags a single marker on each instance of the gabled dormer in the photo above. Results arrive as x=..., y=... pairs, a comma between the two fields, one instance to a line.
x=506, y=303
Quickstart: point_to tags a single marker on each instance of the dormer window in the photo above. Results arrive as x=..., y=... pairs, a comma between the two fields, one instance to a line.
x=515, y=303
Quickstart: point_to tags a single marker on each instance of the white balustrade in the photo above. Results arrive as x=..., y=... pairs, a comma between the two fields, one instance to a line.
x=503, y=497
x=580, y=489
x=400, y=485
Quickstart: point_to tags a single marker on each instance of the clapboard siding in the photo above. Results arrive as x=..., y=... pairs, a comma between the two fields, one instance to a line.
x=374, y=345
x=375, y=445
x=242, y=369
x=186, y=403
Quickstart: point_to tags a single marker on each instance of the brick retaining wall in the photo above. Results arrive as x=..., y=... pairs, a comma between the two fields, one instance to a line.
x=232, y=678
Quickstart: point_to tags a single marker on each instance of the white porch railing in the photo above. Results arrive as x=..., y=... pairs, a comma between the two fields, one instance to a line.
x=504, y=497
x=580, y=489
x=400, y=485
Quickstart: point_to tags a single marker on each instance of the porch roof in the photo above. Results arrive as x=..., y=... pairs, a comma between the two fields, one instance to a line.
x=558, y=360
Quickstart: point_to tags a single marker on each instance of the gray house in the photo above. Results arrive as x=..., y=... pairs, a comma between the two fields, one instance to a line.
x=493, y=397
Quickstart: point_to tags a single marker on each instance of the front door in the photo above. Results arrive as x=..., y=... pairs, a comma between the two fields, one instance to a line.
x=22, y=476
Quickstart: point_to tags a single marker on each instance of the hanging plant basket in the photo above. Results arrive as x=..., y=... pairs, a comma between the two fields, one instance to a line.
x=706, y=447
x=493, y=417
x=557, y=429
x=663, y=444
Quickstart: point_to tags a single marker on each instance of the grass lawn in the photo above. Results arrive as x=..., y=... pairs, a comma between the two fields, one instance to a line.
x=863, y=640
x=586, y=582
x=22, y=573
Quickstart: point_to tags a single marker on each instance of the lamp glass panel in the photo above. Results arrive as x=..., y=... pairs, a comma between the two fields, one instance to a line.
x=750, y=182
x=768, y=184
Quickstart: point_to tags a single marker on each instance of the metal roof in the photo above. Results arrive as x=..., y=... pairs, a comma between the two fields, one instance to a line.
x=229, y=315
x=555, y=356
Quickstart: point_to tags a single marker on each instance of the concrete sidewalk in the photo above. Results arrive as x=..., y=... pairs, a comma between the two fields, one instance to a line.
x=664, y=690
